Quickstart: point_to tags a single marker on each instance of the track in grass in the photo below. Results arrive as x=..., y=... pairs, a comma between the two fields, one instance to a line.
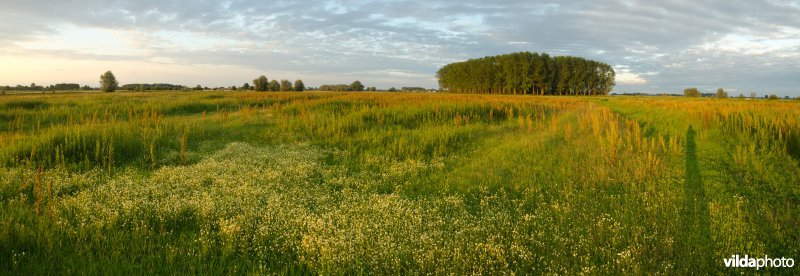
x=351, y=183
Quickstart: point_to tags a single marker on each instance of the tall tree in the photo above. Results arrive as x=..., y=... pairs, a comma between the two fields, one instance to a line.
x=527, y=73
x=299, y=86
x=691, y=92
x=721, y=93
x=286, y=85
x=356, y=86
x=274, y=85
x=261, y=83
x=108, y=82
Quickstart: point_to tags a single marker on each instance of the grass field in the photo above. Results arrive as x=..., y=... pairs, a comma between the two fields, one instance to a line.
x=223, y=182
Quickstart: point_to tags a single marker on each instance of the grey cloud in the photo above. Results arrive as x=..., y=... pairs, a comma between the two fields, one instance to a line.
x=416, y=37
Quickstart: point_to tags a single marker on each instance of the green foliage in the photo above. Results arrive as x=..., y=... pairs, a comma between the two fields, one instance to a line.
x=259, y=84
x=527, y=73
x=66, y=86
x=691, y=92
x=722, y=94
x=274, y=85
x=299, y=86
x=154, y=86
x=27, y=104
x=400, y=183
x=773, y=97
x=412, y=89
x=286, y=85
x=356, y=86
x=108, y=82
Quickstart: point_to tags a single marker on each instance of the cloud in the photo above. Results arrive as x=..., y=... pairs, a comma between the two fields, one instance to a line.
x=664, y=46
x=625, y=76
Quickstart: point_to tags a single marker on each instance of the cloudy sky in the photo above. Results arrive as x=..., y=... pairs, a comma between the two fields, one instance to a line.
x=654, y=46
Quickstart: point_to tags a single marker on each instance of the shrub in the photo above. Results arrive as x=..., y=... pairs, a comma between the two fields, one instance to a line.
x=691, y=92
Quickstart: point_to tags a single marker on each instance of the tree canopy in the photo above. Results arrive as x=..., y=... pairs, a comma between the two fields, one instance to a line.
x=108, y=82
x=274, y=85
x=299, y=86
x=721, y=93
x=261, y=83
x=154, y=86
x=528, y=73
x=335, y=87
x=286, y=85
x=356, y=86
x=413, y=88
x=691, y=92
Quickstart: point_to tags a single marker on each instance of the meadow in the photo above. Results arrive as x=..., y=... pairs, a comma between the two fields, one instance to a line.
x=391, y=183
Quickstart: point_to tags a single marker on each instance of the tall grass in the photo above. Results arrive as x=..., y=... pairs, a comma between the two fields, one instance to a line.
x=393, y=183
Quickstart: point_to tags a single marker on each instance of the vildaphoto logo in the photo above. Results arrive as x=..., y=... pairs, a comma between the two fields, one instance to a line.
x=758, y=263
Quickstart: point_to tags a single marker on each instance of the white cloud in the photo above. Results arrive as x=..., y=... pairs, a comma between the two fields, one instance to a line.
x=742, y=45
x=625, y=76
x=84, y=41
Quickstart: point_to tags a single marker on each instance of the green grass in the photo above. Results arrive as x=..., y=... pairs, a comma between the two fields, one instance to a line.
x=389, y=183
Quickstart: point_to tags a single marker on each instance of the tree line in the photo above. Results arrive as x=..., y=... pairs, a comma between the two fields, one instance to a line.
x=527, y=73
x=262, y=83
x=58, y=86
x=355, y=86
x=108, y=83
x=154, y=86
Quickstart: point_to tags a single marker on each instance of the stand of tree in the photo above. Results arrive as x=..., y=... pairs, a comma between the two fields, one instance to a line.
x=355, y=86
x=334, y=87
x=527, y=73
x=154, y=86
x=34, y=87
x=262, y=83
x=66, y=86
x=691, y=92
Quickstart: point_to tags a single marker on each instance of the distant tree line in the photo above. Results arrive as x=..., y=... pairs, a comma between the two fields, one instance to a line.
x=262, y=83
x=355, y=86
x=34, y=87
x=66, y=86
x=528, y=73
x=149, y=87
x=695, y=93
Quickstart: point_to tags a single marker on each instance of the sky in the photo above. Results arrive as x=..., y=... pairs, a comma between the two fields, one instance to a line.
x=654, y=46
